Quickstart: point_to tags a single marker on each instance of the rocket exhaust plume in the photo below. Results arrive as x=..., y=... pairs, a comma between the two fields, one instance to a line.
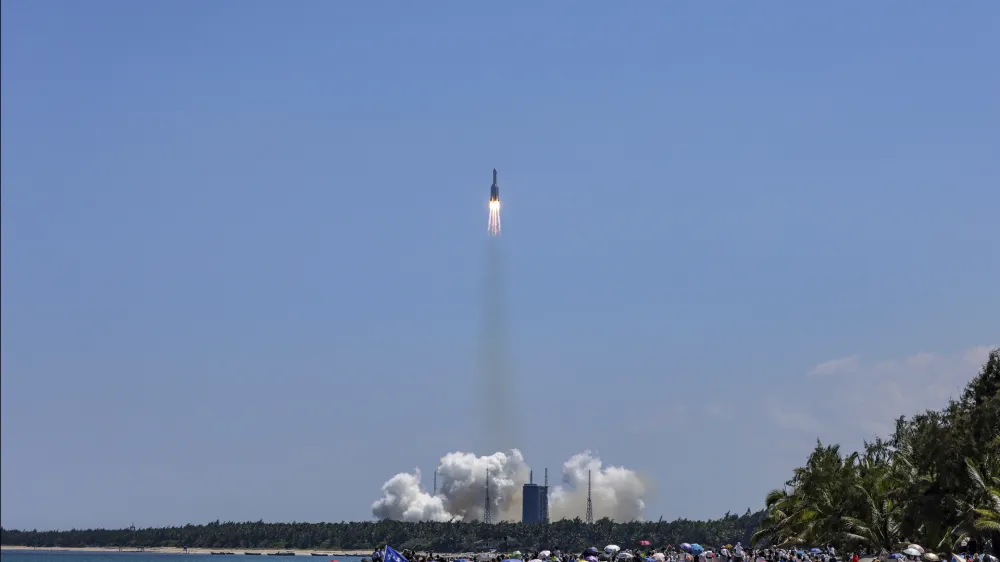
x=494, y=223
x=494, y=354
x=619, y=493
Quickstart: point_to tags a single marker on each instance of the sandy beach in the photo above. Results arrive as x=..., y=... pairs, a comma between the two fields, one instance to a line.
x=171, y=550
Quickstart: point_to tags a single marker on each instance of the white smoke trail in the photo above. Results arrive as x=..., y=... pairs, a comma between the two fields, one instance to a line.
x=617, y=492
x=498, y=422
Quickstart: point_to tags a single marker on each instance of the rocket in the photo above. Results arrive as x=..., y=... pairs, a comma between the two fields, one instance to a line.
x=494, y=224
x=494, y=189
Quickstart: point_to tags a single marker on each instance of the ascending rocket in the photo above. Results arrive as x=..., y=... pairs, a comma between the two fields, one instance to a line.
x=494, y=224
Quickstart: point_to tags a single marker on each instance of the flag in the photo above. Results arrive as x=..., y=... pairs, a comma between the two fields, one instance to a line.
x=392, y=556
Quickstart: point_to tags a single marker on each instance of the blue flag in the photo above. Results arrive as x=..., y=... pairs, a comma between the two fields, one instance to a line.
x=393, y=556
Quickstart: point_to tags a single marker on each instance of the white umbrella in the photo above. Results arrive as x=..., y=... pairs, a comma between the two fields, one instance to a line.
x=917, y=547
x=910, y=551
x=612, y=548
x=544, y=554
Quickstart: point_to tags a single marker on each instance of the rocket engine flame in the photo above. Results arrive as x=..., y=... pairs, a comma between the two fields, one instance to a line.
x=494, y=225
x=617, y=492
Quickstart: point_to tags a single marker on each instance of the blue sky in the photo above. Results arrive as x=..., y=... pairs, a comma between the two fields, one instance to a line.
x=243, y=242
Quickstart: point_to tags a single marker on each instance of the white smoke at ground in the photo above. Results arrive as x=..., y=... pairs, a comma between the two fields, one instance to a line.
x=617, y=492
x=403, y=499
x=461, y=493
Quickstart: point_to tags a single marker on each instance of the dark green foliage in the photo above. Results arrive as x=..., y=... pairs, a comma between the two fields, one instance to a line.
x=573, y=535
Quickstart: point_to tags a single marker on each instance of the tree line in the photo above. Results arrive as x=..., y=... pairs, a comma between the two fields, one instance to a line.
x=571, y=534
x=934, y=481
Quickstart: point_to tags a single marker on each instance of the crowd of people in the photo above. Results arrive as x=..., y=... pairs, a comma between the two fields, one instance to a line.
x=686, y=552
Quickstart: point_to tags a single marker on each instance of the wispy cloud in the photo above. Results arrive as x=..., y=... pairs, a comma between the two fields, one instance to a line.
x=835, y=366
x=850, y=399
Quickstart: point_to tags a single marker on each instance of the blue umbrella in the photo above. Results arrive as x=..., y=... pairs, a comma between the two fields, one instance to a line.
x=697, y=549
x=815, y=550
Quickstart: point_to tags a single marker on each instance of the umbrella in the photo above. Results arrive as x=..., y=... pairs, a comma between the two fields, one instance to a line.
x=685, y=547
x=697, y=549
x=611, y=548
x=917, y=547
x=591, y=551
x=544, y=554
x=515, y=554
x=896, y=555
x=815, y=550
x=911, y=552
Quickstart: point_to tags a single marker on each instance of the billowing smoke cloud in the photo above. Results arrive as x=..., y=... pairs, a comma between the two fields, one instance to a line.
x=617, y=492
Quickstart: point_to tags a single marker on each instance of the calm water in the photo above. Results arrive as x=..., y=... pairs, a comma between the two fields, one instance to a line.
x=66, y=556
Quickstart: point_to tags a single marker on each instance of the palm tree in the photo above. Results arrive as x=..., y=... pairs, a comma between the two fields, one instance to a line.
x=984, y=498
x=878, y=525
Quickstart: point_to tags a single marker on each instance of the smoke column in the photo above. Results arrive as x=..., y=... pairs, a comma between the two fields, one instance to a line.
x=498, y=419
x=618, y=492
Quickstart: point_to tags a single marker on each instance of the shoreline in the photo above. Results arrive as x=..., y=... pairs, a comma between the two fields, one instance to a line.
x=196, y=551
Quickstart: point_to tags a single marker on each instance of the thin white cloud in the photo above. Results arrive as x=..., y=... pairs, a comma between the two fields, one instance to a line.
x=866, y=397
x=835, y=366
